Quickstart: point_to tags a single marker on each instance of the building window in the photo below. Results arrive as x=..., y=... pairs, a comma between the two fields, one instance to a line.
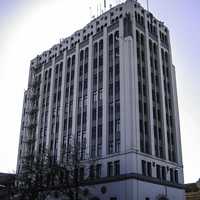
x=176, y=176
x=86, y=53
x=94, y=97
x=110, y=147
x=81, y=55
x=171, y=175
x=110, y=138
x=84, y=117
x=163, y=173
x=117, y=126
x=94, y=114
x=117, y=168
x=94, y=79
x=111, y=73
x=117, y=145
x=95, y=63
x=99, y=148
x=83, y=145
x=79, y=103
x=95, y=49
x=100, y=60
x=110, y=39
x=81, y=173
x=85, y=84
x=91, y=171
x=117, y=70
x=144, y=167
x=81, y=70
x=100, y=95
x=86, y=68
x=79, y=119
x=110, y=169
x=72, y=75
x=110, y=108
x=158, y=171
x=98, y=170
x=113, y=198
x=100, y=112
x=110, y=90
x=73, y=60
x=149, y=169
x=85, y=101
x=101, y=45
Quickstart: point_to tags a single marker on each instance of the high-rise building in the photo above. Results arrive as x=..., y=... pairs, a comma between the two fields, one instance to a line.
x=112, y=86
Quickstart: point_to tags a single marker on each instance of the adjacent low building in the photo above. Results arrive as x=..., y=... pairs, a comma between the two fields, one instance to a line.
x=6, y=185
x=193, y=191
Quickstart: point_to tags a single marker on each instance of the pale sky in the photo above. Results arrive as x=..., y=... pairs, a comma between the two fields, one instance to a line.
x=28, y=27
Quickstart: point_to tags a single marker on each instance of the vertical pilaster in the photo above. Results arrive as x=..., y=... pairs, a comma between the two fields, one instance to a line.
x=129, y=122
x=150, y=102
x=105, y=92
x=122, y=90
x=50, y=105
x=162, y=91
x=62, y=108
x=128, y=108
x=75, y=94
x=136, y=130
x=89, y=94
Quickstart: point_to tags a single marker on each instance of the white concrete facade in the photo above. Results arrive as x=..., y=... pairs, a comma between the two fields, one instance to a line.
x=119, y=98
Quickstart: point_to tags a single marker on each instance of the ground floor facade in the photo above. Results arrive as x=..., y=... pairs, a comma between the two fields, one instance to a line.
x=128, y=188
x=133, y=189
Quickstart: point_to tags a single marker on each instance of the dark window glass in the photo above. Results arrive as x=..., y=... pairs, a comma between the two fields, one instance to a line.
x=98, y=170
x=92, y=171
x=171, y=175
x=110, y=169
x=158, y=171
x=176, y=176
x=163, y=173
x=144, y=167
x=117, y=168
x=149, y=169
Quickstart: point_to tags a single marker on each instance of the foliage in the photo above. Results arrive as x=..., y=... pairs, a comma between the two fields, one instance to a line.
x=42, y=175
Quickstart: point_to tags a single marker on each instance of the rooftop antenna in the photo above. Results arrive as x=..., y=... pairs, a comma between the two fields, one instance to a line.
x=90, y=8
x=147, y=5
x=97, y=10
x=101, y=11
x=104, y=4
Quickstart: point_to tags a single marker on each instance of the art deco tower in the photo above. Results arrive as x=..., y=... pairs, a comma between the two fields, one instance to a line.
x=112, y=86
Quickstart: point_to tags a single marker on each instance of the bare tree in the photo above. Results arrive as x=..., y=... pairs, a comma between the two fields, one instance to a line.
x=43, y=175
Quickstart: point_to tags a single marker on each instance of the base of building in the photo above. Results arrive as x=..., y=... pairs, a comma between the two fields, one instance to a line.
x=129, y=189
x=133, y=189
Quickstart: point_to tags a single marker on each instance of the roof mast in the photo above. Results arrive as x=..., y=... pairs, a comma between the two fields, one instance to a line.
x=147, y=5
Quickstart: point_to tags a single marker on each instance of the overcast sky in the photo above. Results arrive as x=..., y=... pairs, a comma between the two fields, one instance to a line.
x=28, y=27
